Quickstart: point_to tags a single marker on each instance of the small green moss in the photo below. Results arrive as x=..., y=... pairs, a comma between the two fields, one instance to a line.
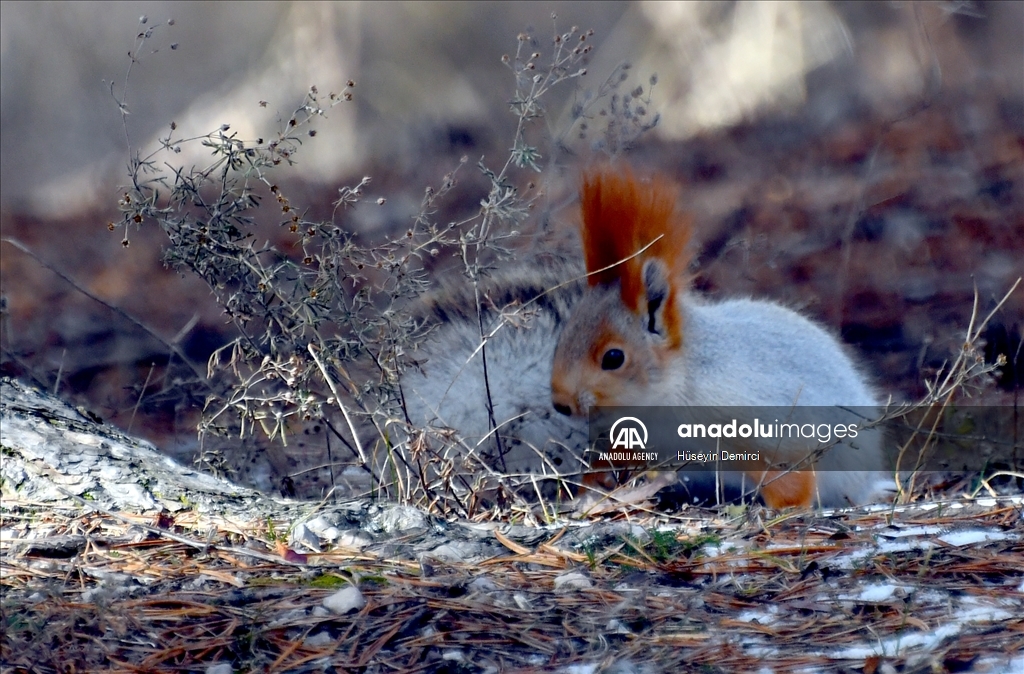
x=692, y=545
x=329, y=581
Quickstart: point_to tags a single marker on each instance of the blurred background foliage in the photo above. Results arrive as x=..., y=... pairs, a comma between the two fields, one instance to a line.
x=430, y=72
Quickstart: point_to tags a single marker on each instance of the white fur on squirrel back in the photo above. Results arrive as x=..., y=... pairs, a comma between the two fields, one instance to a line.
x=746, y=352
x=448, y=389
x=749, y=352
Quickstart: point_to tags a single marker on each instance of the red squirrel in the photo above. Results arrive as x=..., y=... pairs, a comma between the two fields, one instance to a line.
x=640, y=337
x=636, y=336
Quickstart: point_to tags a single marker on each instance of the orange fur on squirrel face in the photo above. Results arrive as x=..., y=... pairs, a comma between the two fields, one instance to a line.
x=623, y=215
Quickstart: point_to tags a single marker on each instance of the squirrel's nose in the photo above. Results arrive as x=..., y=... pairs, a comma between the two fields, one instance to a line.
x=562, y=397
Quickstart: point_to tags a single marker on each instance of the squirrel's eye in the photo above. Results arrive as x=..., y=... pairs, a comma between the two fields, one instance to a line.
x=613, y=359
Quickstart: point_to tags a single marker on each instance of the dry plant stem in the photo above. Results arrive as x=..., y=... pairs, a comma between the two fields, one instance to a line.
x=988, y=487
x=851, y=223
x=500, y=202
x=334, y=389
x=142, y=394
x=487, y=380
x=173, y=348
x=940, y=395
x=60, y=372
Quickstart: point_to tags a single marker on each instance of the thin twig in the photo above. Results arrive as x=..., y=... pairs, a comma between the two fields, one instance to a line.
x=117, y=310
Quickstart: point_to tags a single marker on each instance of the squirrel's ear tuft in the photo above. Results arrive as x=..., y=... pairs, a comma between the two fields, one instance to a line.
x=624, y=215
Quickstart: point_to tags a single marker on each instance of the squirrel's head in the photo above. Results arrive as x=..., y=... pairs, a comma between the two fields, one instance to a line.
x=627, y=327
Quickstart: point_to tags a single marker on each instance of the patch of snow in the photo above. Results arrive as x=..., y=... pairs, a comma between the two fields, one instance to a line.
x=891, y=547
x=318, y=640
x=572, y=581
x=922, y=530
x=896, y=645
x=345, y=600
x=972, y=537
x=877, y=592
x=581, y=669
x=765, y=617
x=220, y=668
x=976, y=609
